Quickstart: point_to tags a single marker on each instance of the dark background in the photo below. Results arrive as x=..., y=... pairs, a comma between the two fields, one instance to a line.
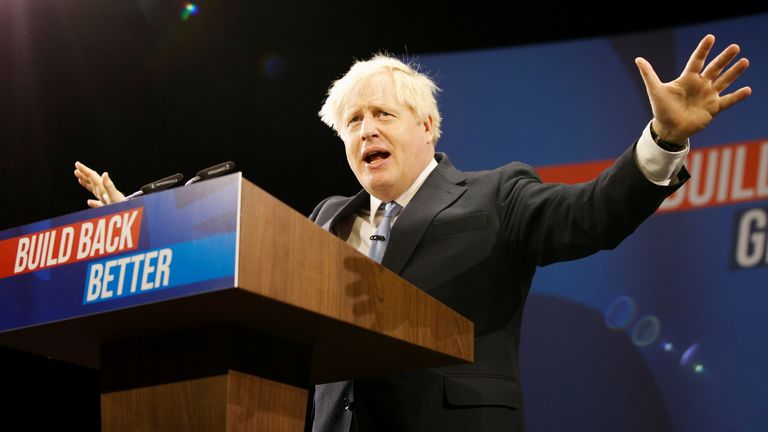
x=127, y=86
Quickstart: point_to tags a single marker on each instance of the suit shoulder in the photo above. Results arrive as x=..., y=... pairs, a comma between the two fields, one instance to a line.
x=518, y=169
x=505, y=173
x=332, y=203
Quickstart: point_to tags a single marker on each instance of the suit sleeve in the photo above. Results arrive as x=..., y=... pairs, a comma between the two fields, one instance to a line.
x=555, y=222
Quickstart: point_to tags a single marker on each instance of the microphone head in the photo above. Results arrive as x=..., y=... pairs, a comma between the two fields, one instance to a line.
x=162, y=184
x=216, y=170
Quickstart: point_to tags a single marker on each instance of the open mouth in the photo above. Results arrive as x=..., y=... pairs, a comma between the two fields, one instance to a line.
x=375, y=156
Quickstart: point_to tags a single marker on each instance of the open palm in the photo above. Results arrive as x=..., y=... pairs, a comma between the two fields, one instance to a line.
x=689, y=103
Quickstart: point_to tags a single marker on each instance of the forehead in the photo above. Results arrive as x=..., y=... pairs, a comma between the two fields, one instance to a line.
x=376, y=89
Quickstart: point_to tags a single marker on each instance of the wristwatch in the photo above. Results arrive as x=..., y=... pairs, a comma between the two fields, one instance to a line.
x=666, y=145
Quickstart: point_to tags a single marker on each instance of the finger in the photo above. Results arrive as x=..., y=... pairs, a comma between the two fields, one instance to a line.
x=649, y=76
x=82, y=177
x=732, y=99
x=83, y=181
x=84, y=170
x=99, y=192
x=112, y=192
x=699, y=55
x=95, y=203
x=723, y=81
x=95, y=180
x=717, y=65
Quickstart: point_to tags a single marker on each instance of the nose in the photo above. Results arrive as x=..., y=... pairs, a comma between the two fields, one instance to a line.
x=368, y=128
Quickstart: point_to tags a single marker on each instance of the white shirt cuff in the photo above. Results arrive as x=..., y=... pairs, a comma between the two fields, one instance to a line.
x=658, y=165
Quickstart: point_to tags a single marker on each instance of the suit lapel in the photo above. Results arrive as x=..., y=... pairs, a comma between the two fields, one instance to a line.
x=361, y=199
x=443, y=186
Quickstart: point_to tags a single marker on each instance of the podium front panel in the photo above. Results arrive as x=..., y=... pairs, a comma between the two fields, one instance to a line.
x=120, y=256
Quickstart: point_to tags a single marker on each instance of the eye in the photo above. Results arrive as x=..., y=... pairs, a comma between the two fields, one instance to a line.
x=353, y=119
x=385, y=114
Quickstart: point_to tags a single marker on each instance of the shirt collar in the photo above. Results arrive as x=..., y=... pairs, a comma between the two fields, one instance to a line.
x=406, y=197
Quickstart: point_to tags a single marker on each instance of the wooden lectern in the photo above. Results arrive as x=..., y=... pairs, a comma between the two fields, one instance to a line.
x=215, y=308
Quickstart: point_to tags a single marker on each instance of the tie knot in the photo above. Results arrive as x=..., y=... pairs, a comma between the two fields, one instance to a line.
x=392, y=209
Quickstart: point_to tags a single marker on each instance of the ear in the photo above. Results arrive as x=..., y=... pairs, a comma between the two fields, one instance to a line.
x=428, y=131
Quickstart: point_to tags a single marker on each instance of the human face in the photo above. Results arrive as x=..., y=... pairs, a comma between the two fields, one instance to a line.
x=387, y=146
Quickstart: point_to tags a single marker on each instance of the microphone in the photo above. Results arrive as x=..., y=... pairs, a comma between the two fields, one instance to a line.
x=214, y=171
x=377, y=237
x=157, y=185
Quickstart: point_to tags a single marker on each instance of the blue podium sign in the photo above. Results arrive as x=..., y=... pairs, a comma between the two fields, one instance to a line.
x=166, y=245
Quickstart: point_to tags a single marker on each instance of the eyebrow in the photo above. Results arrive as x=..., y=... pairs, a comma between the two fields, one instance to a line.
x=373, y=106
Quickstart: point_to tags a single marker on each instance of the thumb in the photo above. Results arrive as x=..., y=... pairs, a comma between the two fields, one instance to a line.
x=94, y=203
x=650, y=79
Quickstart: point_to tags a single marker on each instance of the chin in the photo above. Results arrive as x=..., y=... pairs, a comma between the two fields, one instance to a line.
x=377, y=186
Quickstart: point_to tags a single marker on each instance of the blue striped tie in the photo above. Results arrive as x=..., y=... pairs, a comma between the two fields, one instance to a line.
x=380, y=239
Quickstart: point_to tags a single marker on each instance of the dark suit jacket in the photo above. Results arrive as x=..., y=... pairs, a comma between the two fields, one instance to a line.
x=473, y=240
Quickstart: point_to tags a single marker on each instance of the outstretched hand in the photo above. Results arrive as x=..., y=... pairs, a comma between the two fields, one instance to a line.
x=689, y=103
x=101, y=186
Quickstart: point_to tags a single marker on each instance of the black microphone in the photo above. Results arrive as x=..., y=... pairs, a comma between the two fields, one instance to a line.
x=157, y=185
x=377, y=237
x=214, y=171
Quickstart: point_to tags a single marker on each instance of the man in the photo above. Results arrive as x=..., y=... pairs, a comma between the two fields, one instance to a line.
x=473, y=239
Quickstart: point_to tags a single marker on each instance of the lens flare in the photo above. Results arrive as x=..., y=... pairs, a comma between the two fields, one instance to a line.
x=687, y=356
x=646, y=330
x=188, y=10
x=620, y=313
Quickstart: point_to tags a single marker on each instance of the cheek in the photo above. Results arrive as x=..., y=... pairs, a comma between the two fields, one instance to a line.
x=352, y=160
x=349, y=150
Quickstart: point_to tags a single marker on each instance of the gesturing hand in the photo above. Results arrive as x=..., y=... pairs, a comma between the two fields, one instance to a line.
x=101, y=186
x=689, y=103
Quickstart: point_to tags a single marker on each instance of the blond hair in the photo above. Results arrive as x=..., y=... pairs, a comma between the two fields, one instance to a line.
x=413, y=89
